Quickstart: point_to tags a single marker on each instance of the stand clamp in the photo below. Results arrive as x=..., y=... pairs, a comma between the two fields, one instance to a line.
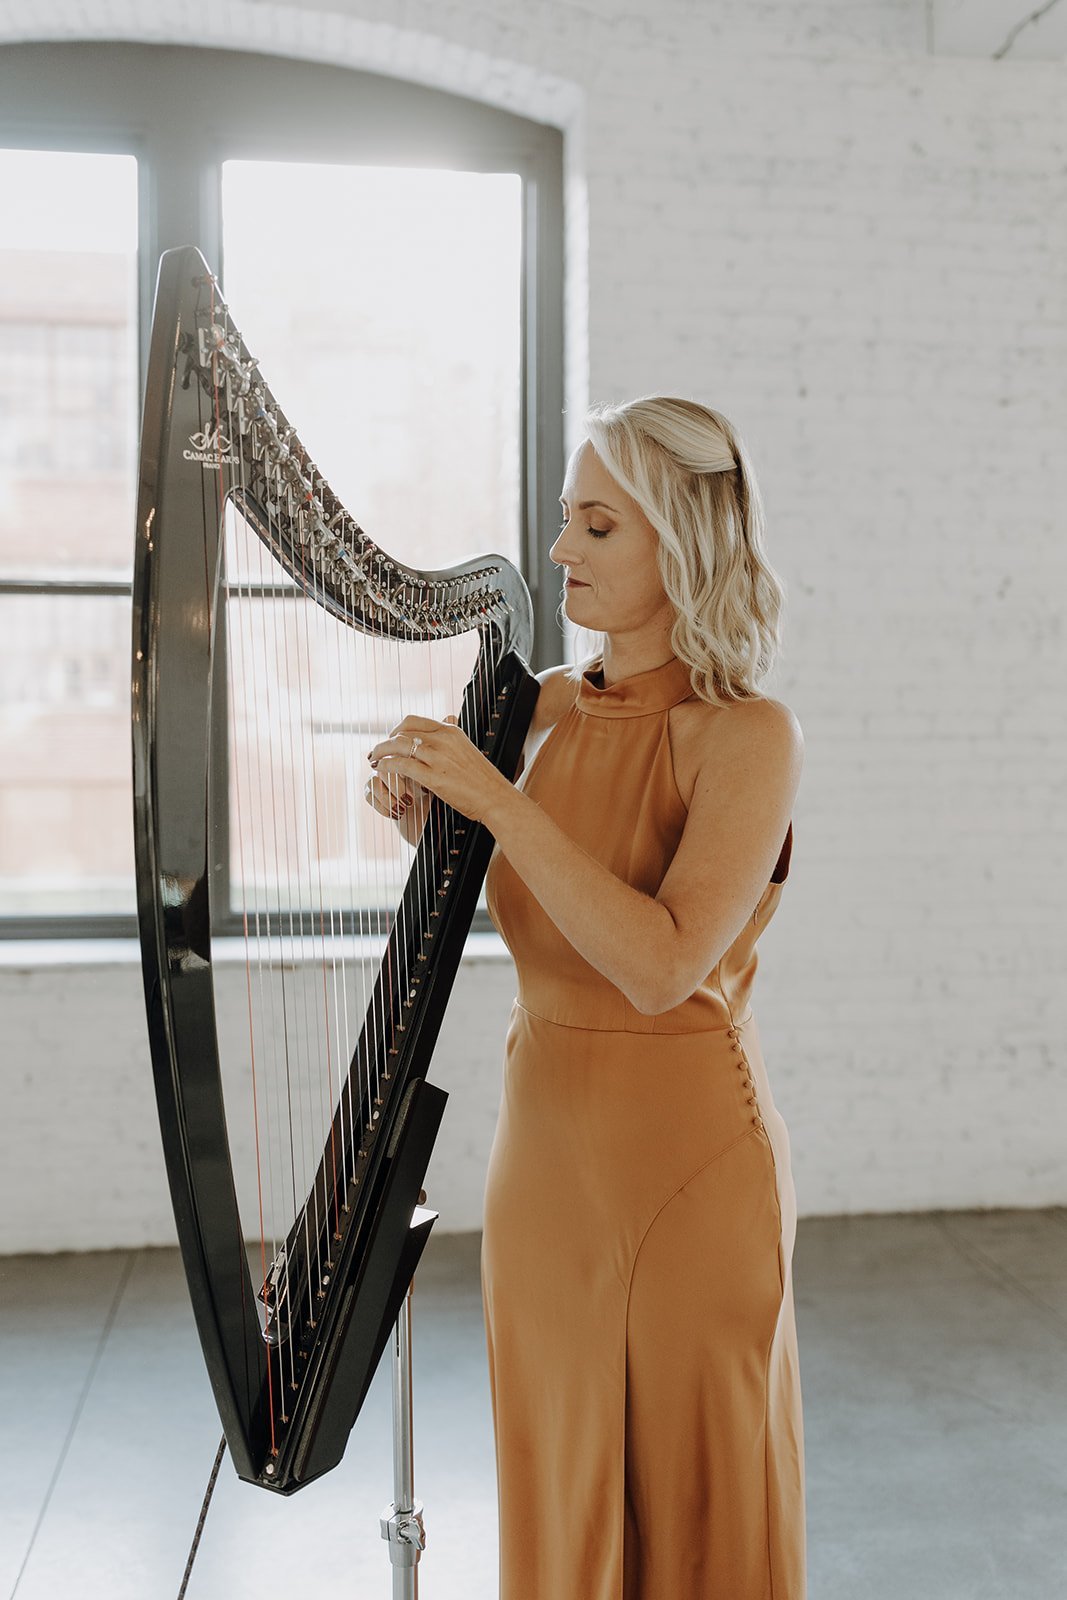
x=405, y=1533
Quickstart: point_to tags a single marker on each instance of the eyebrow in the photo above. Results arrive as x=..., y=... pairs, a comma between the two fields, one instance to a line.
x=583, y=505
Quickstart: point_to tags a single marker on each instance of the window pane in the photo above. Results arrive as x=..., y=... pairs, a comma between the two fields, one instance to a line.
x=68, y=363
x=389, y=333
x=66, y=830
x=392, y=344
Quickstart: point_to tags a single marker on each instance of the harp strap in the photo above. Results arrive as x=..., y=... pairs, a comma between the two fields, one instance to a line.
x=220, y=1452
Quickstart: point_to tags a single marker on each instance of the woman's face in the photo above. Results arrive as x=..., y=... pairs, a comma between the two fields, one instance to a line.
x=608, y=547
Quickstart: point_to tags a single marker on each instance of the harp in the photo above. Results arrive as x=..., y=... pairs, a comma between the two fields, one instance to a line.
x=254, y=588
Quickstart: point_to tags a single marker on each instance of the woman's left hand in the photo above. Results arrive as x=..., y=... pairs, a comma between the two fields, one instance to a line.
x=445, y=761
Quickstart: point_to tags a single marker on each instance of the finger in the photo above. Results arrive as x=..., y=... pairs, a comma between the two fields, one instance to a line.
x=376, y=794
x=401, y=748
x=414, y=724
x=390, y=769
x=384, y=799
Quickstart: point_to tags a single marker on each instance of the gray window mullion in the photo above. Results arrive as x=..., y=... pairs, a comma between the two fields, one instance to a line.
x=542, y=390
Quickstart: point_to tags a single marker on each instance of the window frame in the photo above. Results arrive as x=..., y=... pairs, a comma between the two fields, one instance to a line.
x=133, y=99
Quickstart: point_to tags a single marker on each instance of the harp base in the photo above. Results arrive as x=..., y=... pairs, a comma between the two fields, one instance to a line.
x=401, y=1521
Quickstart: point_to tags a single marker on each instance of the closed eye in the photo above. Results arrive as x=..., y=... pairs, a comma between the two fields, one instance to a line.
x=598, y=533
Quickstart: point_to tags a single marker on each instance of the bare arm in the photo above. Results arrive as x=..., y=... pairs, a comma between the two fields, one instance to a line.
x=656, y=950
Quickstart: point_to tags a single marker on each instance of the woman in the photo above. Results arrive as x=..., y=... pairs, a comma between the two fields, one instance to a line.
x=640, y=1213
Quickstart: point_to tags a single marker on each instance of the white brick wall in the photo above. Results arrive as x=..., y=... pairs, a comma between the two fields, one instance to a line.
x=853, y=245
x=83, y=1165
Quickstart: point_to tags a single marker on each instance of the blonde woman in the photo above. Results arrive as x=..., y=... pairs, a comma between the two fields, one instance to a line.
x=640, y=1212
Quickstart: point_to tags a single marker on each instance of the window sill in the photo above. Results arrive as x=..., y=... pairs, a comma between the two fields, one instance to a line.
x=29, y=954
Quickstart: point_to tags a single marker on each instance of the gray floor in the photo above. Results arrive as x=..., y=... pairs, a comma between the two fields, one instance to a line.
x=935, y=1403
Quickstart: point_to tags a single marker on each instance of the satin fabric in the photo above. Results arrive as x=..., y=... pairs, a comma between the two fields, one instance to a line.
x=639, y=1223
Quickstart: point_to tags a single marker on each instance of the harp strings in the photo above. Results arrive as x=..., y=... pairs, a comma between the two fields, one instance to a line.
x=256, y=823
x=248, y=984
x=308, y=694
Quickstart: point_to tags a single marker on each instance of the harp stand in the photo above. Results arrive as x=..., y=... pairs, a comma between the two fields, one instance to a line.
x=401, y=1521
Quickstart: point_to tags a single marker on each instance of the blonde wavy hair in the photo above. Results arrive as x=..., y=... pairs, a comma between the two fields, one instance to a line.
x=687, y=468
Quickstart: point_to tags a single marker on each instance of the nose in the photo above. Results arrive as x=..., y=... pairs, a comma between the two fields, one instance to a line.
x=559, y=554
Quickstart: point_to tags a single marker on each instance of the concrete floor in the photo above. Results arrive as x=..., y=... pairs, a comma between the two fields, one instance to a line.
x=935, y=1401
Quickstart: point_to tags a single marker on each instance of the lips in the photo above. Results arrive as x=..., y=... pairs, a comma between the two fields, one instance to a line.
x=575, y=583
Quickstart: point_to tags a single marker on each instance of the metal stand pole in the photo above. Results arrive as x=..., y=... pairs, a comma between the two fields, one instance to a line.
x=401, y=1521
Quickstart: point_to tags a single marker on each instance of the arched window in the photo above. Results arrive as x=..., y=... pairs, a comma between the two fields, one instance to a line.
x=393, y=255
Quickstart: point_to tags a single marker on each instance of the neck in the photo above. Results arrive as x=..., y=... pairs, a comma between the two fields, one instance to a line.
x=624, y=658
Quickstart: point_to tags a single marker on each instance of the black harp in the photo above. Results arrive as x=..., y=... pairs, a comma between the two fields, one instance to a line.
x=292, y=1345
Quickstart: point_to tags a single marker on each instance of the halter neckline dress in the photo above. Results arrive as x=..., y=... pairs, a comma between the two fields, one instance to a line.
x=639, y=1222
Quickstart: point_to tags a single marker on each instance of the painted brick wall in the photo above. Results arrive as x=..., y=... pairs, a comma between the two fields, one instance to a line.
x=83, y=1164
x=837, y=225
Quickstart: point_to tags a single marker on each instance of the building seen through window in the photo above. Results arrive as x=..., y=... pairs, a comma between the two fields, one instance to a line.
x=394, y=348
x=68, y=426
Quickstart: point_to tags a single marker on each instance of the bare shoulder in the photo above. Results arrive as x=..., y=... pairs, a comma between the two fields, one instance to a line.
x=558, y=694
x=766, y=718
x=700, y=734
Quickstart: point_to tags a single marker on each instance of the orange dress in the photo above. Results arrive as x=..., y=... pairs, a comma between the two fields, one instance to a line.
x=639, y=1222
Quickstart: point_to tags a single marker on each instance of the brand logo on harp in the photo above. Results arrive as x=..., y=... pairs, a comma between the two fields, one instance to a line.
x=211, y=447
